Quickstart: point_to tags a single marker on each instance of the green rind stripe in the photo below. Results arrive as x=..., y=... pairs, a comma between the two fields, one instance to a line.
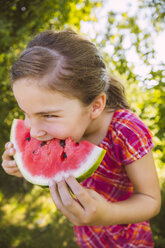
x=93, y=168
x=81, y=178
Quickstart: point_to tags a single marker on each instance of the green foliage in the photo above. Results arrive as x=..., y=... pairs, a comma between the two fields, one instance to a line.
x=26, y=219
x=157, y=10
x=157, y=224
x=125, y=34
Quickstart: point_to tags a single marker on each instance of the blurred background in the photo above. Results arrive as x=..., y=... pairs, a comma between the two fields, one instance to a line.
x=130, y=35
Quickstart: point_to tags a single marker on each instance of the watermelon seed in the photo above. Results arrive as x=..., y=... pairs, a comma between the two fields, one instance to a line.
x=64, y=155
x=28, y=139
x=33, y=151
x=77, y=143
x=62, y=143
x=43, y=143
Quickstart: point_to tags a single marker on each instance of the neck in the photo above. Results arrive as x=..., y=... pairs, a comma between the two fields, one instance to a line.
x=98, y=128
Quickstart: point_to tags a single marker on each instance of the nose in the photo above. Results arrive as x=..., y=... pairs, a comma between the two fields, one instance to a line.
x=34, y=128
x=37, y=134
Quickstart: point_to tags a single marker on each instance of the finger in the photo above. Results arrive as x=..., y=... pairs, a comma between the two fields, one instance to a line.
x=68, y=201
x=13, y=164
x=9, y=145
x=8, y=154
x=11, y=170
x=80, y=192
x=76, y=220
x=55, y=195
x=58, y=202
x=18, y=174
x=10, y=164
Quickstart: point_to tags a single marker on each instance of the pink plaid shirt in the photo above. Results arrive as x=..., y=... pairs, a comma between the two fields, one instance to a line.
x=127, y=140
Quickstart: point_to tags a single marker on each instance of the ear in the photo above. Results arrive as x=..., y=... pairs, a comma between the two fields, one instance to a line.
x=98, y=105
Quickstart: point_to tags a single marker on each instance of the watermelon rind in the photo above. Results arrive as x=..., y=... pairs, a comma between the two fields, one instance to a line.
x=84, y=171
x=90, y=170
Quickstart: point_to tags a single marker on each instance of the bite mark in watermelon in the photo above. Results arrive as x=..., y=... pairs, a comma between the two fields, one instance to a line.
x=43, y=161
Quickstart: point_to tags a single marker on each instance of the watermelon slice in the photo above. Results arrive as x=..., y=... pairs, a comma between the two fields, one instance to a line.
x=43, y=161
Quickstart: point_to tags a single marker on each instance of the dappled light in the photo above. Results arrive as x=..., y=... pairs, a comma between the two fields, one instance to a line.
x=28, y=217
x=33, y=221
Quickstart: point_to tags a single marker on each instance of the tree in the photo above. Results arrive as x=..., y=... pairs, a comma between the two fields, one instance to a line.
x=133, y=36
x=157, y=12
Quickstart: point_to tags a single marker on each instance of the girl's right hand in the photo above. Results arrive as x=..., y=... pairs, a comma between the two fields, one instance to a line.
x=8, y=162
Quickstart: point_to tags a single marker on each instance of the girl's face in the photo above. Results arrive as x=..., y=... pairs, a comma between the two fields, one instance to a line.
x=51, y=114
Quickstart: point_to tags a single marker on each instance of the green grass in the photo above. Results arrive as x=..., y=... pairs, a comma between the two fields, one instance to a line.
x=157, y=223
x=29, y=219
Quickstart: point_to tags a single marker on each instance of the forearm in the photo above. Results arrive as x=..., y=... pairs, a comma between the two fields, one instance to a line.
x=137, y=208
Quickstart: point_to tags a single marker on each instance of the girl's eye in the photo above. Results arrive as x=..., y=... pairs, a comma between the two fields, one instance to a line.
x=50, y=116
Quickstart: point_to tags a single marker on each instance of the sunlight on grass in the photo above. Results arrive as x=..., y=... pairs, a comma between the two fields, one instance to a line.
x=27, y=211
x=32, y=220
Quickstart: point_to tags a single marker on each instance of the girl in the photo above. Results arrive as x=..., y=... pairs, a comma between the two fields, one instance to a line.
x=61, y=84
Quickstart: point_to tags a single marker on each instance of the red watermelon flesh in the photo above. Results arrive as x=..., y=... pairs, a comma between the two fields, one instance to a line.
x=43, y=161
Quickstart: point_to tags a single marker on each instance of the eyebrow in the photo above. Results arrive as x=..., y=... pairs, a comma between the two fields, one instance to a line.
x=45, y=112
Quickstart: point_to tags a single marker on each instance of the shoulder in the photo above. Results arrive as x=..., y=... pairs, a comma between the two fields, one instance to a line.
x=130, y=137
x=128, y=123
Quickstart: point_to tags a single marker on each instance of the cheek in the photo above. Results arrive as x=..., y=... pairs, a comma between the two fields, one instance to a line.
x=58, y=131
x=27, y=122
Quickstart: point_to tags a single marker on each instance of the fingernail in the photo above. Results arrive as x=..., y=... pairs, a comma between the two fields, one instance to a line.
x=51, y=183
x=66, y=175
x=59, y=178
x=11, y=151
x=7, y=146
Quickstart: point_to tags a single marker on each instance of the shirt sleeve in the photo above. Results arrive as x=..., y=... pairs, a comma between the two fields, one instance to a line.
x=131, y=139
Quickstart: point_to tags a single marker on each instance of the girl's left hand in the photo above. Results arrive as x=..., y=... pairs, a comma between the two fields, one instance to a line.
x=88, y=208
